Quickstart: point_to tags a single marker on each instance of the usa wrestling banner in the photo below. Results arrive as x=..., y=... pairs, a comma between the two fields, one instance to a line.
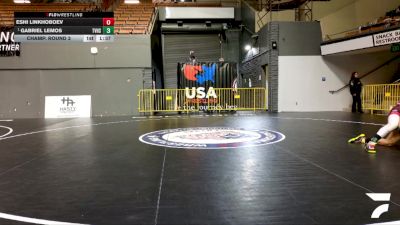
x=210, y=74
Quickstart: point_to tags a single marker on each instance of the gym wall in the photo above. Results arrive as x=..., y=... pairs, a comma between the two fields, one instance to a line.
x=284, y=15
x=301, y=85
x=113, y=77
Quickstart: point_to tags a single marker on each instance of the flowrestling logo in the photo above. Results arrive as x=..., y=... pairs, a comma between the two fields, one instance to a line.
x=211, y=138
x=380, y=197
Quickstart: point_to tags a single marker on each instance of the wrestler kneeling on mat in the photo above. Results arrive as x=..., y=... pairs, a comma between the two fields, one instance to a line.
x=388, y=135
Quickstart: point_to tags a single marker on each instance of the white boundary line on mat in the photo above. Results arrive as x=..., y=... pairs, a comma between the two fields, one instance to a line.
x=10, y=130
x=387, y=223
x=35, y=221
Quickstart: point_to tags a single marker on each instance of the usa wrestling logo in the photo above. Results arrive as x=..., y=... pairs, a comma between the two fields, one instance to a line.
x=200, y=73
x=211, y=138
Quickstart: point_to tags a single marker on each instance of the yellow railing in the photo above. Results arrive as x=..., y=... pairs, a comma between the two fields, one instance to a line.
x=182, y=100
x=380, y=97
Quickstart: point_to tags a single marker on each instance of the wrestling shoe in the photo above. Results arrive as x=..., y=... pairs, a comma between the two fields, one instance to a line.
x=359, y=139
x=370, y=147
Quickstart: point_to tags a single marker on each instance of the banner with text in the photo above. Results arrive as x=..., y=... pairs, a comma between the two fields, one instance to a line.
x=207, y=74
x=8, y=46
x=386, y=38
x=68, y=106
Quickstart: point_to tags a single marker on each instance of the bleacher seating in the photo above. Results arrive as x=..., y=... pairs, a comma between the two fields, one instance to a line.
x=133, y=18
x=391, y=19
x=7, y=10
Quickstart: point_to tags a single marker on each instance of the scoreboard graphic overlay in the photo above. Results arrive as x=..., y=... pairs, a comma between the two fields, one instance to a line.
x=64, y=26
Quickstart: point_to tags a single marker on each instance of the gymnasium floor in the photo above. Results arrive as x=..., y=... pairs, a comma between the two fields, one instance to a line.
x=97, y=171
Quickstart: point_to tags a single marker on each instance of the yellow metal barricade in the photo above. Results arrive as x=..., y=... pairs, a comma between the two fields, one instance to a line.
x=380, y=97
x=182, y=100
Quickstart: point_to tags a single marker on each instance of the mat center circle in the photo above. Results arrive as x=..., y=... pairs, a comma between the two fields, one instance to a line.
x=211, y=137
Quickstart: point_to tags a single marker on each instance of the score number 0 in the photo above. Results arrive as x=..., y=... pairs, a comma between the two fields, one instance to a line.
x=108, y=21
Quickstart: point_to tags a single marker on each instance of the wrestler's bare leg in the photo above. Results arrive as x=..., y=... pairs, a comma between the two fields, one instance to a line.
x=392, y=125
x=392, y=138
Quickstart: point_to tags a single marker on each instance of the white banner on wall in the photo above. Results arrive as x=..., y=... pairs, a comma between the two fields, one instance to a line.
x=199, y=13
x=386, y=38
x=68, y=106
